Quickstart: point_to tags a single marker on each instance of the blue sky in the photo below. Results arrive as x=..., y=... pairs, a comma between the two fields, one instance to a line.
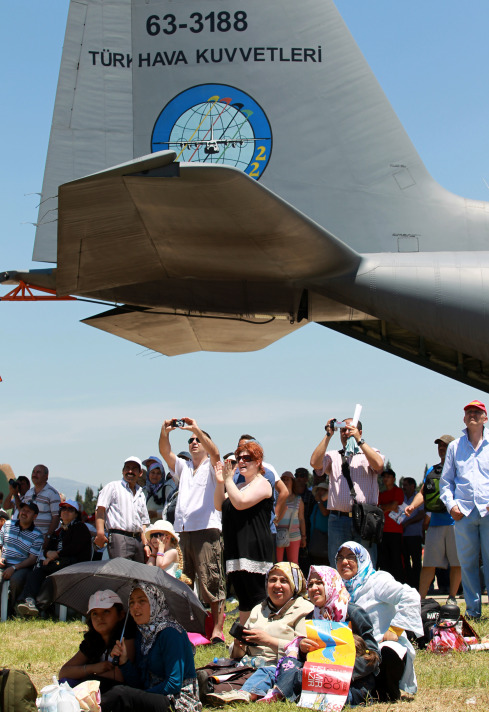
x=81, y=401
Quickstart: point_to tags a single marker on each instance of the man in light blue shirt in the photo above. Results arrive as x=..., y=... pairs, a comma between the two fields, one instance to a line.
x=464, y=488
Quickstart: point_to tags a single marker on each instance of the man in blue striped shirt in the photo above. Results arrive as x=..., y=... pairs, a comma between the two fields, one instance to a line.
x=464, y=490
x=21, y=544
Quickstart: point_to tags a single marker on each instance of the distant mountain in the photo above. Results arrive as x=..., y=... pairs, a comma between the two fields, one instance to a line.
x=70, y=487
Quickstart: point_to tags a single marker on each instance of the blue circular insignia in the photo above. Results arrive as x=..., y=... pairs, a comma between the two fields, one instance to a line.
x=215, y=123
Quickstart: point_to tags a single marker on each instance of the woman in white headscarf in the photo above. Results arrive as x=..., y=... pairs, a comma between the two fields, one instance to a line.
x=163, y=673
x=393, y=607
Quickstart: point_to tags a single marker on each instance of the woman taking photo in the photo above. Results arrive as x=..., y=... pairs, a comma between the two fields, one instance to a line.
x=291, y=527
x=163, y=672
x=393, y=608
x=246, y=510
x=93, y=661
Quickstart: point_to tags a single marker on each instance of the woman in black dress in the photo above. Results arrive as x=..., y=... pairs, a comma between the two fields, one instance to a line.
x=246, y=510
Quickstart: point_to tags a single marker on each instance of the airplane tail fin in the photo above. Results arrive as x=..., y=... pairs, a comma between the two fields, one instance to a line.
x=279, y=90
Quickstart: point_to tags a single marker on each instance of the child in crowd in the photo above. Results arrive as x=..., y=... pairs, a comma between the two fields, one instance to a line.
x=93, y=660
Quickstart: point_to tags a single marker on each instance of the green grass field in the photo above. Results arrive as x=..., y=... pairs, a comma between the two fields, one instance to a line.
x=459, y=681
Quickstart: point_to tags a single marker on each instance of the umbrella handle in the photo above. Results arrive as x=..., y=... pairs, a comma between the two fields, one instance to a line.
x=115, y=659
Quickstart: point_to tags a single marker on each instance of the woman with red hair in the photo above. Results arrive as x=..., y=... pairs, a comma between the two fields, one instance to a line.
x=246, y=510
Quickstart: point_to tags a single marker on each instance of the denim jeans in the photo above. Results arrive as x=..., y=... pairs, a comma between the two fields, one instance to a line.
x=261, y=681
x=472, y=537
x=340, y=529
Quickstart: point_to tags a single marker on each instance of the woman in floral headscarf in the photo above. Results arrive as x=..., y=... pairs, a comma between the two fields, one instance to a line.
x=393, y=607
x=272, y=625
x=163, y=674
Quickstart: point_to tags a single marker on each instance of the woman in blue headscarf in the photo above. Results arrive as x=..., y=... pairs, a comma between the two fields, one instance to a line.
x=163, y=673
x=393, y=608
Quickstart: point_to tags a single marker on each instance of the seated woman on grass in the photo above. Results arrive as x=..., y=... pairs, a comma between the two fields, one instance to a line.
x=162, y=675
x=394, y=608
x=272, y=625
x=93, y=661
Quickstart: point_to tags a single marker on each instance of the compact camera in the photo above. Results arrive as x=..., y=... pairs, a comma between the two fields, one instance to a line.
x=178, y=423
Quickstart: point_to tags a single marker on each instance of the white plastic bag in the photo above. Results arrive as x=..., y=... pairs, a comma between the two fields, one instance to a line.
x=58, y=698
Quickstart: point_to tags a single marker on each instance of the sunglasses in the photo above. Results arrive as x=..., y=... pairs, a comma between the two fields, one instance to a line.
x=245, y=458
x=191, y=440
x=350, y=557
x=157, y=535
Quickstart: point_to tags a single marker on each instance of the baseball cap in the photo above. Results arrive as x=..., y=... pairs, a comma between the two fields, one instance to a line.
x=287, y=473
x=301, y=472
x=32, y=505
x=3, y=514
x=476, y=404
x=153, y=458
x=70, y=503
x=135, y=459
x=103, y=599
x=185, y=455
x=447, y=439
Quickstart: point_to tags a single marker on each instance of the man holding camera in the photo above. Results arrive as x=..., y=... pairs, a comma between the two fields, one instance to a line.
x=196, y=518
x=366, y=464
x=16, y=490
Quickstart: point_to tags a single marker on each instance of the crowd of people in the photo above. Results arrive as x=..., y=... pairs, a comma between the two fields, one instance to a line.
x=233, y=525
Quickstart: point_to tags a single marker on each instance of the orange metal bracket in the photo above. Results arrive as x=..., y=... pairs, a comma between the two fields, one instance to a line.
x=23, y=293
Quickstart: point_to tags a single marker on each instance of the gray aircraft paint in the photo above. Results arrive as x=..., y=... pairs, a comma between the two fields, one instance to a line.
x=338, y=154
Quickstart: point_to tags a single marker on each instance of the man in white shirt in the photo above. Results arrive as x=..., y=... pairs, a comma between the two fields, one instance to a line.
x=196, y=519
x=121, y=509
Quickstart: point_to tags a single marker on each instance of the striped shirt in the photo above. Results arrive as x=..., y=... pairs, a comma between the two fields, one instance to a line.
x=48, y=501
x=123, y=509
x=363, y=477
x=18, y=544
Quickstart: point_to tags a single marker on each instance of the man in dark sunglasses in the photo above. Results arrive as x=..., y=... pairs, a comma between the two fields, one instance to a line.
x=196, y=519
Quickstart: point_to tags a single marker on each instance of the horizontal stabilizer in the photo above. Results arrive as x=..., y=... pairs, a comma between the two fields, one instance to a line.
x=175, y=334
x=184, y=221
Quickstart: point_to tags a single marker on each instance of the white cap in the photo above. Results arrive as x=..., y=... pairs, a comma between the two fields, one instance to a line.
x=133, y=458
x=103, y=599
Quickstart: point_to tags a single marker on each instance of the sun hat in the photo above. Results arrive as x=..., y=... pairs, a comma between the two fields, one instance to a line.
x=161, y=526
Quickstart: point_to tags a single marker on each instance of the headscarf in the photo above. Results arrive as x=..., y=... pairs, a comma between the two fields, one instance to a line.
x=159, y=617
x=365, y=568
x=336, y=605
x=296, y=579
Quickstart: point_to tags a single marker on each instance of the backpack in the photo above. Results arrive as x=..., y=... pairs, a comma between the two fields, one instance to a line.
x=431, y=490
x=430, y=609
x=17, y=692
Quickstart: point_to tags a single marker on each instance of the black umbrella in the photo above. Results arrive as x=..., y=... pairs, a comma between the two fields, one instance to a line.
x=74, y=585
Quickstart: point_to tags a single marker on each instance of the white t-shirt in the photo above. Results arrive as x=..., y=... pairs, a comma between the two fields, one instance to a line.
x=195, y=505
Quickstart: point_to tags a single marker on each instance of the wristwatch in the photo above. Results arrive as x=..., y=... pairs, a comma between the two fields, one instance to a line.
x=361, y=442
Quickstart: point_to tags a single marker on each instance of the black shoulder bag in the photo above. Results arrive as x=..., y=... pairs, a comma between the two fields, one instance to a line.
x=368, y=519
